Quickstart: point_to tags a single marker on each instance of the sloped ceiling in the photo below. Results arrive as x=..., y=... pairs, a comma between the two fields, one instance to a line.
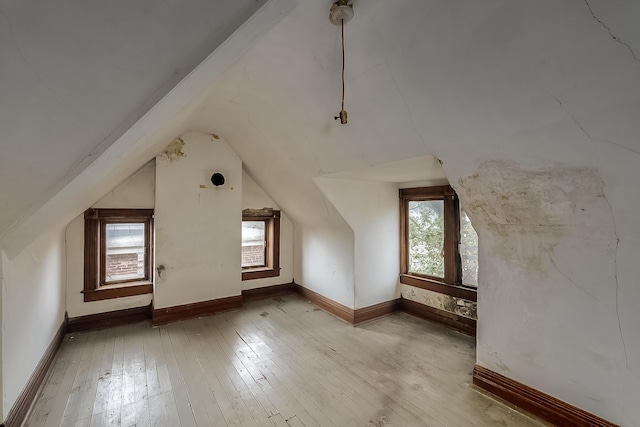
x=74, y=76
x=537, y=82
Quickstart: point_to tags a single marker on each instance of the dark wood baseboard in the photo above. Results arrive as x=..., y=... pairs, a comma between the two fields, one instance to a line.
x=327, y=304
x=109, y=319
x=20, y=408
x=376, y=311
x=459, y=323
x=267, y=291
x=161, y=316
x=535, y=402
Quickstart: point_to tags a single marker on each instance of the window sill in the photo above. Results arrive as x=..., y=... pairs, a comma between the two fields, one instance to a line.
x=260, y=273
x=118, y=291
x=440, y=287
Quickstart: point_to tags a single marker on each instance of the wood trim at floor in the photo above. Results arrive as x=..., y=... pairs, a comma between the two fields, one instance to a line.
x=534, y=401
x=452, y=320
x=376, y=311
x=327, y=304
x=111, y=318
x=267, y=291
x=164, y=315
x=18, y=412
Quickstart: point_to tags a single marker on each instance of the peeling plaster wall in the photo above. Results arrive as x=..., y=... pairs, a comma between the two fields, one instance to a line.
x=440, y=301
x=138, y=191
x=552, y=302
x=253, y=197
x=198, y=226
x=32, y=309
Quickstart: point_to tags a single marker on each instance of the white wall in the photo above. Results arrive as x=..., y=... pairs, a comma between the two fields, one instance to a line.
x=32, y=309
x=253, y=197
x=371, y=209
x=198, y=226
x=138, y=191
x=551, y=264
x=325, y=260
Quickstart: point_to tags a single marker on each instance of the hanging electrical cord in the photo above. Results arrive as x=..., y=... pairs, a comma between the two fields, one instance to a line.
x=341, y=12
x=343, y=113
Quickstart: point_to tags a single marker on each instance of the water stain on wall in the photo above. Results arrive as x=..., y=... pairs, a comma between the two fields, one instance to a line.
x=448, y=303
x=529, y=212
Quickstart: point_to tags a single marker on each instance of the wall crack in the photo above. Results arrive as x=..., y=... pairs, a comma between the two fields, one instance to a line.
x=615, y=276
x=588, y=135
x=613, y=36
x=566, y=276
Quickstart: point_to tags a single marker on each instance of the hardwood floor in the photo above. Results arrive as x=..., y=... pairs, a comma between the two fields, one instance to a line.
x=277, y=362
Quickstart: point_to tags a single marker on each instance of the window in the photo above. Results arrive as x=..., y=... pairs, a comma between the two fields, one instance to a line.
x=260, y=243
x=438, y=245
x=118, y=251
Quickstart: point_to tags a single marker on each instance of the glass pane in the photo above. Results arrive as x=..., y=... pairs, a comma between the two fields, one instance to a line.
x=426, y=237
x=253, y=244
x=125, y=252
x=468, y=251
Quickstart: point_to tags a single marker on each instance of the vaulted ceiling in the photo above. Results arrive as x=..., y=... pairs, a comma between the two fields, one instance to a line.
x=534, y=82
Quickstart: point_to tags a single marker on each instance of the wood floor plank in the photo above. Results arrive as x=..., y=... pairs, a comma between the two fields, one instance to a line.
x=277, y=362
x=334, y=372
x=283, y=386
x=54, y=383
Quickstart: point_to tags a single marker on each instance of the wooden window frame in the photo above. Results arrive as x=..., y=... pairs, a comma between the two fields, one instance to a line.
x=95, y=222
x=272, y=249
x=451, y=284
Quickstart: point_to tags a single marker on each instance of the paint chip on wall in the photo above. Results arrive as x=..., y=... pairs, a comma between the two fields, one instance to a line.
x=174, y=150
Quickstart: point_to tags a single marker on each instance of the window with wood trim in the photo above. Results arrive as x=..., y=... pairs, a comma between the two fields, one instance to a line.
x=118, y=253
x=260, y=243
x=431, y=242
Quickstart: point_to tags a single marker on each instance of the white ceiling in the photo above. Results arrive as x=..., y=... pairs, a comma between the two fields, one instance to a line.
x=466, y=81
x=75, y=75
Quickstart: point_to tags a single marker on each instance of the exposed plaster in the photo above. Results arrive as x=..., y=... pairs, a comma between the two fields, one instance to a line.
x=174, y=150
x=258, y=212
x=530, y=211
x=613, y=36
x=440, y=301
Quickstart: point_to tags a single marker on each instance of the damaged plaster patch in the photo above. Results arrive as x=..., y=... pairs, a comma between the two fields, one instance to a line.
x=529, y=212
x=448, y=303
x=258, y=212
x=174, y=150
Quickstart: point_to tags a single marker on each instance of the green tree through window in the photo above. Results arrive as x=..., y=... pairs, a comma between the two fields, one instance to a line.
x=426, y=237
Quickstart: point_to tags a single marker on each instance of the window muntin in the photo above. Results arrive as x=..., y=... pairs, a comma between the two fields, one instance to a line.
x=428, y=262
x=254, y=244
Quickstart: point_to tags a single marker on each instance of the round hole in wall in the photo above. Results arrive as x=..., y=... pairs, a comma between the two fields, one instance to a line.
x=217, y=179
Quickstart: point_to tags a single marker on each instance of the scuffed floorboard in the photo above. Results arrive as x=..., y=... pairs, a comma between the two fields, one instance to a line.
x=277, y=362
